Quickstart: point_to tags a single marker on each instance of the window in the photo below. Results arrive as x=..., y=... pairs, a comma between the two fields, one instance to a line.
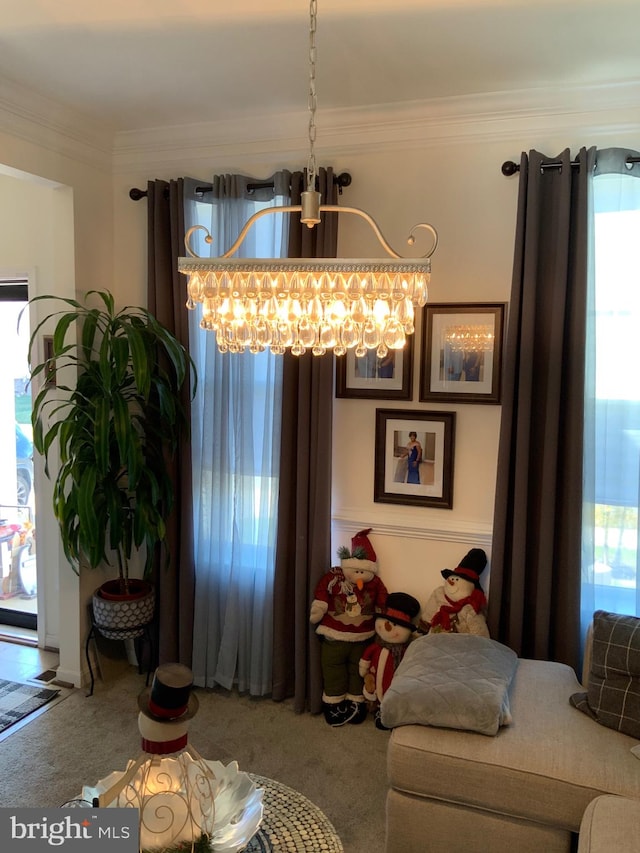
x=612, y=578
x=236, y=455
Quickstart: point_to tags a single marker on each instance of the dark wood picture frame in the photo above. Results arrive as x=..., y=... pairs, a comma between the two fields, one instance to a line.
x=452, y=375
x=369, y=384
x=430, y=482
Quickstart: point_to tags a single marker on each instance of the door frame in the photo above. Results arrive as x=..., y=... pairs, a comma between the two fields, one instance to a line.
x=15, y=288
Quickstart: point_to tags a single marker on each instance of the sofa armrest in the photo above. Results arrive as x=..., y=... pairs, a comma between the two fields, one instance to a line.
x=610, y=823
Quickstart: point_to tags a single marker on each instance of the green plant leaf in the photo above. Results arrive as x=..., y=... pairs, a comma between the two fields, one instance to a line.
x=121, y=426
x=101, y=435
x=140, y=360
x=120, y=354
x=89, y=328
x=135, y=459
x=60, y=332
x=106, y=297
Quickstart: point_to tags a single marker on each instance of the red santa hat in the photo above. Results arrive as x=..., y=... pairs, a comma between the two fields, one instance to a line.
x=363, y=556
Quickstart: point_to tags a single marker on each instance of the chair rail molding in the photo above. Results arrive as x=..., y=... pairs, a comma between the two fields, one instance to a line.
x=469, y=532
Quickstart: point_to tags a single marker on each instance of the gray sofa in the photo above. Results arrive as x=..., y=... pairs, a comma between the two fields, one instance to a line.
x=525, y=789
x=610, y=824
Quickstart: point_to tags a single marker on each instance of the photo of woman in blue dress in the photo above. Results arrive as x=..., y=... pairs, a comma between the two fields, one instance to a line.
x=414, y=451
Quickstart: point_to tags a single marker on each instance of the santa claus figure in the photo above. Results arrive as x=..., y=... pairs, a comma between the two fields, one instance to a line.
x=459, y=606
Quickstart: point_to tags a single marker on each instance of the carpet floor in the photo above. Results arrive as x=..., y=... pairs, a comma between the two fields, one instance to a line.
x=81, y=740
x=18, y=700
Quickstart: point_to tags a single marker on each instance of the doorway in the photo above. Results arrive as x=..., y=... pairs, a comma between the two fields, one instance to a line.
x=18, y=577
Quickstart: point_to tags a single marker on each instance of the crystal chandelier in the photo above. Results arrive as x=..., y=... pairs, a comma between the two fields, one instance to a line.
x=306, y=303
x=469, y=338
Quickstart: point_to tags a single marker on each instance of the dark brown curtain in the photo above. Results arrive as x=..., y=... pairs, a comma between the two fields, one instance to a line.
x=166, y=296
x=303, y=551
x=534, y=596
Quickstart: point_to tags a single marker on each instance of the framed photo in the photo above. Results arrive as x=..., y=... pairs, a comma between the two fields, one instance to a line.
x=373, y=378
x=414, y=457
x=461, y=357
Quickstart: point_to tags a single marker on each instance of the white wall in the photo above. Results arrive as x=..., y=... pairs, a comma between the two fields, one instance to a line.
x=439, y=163
x=461, y=191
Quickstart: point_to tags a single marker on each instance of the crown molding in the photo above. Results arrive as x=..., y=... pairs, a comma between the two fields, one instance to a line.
x=266, y=138
x=54, y=126
x=606, y=110
x=503, y=116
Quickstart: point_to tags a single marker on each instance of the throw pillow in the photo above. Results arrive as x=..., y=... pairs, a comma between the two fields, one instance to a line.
x=613, y=691
x=451, y=681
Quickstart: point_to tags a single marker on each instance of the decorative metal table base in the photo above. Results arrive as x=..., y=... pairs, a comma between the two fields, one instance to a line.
x=144, y=635
x=291, y=823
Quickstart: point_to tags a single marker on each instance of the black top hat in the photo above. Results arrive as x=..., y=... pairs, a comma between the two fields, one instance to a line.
x=400, y=609
x=471, y=567
x=169, y=699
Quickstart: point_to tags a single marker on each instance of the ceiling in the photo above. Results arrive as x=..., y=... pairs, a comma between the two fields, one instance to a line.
x=134, y=64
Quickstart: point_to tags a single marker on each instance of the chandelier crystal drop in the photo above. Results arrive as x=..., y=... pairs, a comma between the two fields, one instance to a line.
x=302, y=304
x=468, y=338
x=318, y=306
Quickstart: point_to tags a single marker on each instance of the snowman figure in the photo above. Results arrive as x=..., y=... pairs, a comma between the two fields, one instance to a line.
x=459, y=606
x=395, y=627
x=344, y=605
x=353, y=605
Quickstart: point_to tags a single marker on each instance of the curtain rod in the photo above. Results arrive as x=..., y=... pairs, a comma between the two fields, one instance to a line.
x=341, y=180
x=510, y=168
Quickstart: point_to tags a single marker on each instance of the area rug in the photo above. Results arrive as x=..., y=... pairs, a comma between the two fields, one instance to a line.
x=19, y=700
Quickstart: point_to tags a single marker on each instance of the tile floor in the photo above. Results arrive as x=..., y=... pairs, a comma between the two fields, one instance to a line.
x=20, y=658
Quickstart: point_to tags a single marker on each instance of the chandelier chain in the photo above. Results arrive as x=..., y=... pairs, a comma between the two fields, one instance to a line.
x=311, y=164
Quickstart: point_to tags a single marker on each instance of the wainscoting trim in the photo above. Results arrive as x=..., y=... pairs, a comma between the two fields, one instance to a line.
x=472, y=533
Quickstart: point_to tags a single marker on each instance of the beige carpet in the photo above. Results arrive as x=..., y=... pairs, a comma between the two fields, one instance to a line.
x=80, y=740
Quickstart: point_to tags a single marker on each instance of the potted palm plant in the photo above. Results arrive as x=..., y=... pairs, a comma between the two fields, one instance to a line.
x=116, y=429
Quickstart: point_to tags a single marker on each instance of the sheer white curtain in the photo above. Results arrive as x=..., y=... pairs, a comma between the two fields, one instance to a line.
x=611, y=573
x=236, y=451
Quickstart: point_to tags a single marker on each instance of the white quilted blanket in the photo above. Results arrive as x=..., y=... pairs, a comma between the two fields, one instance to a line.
x=455, y=681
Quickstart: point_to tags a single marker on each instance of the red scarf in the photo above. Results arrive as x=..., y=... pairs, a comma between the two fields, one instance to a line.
x=443, y=617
